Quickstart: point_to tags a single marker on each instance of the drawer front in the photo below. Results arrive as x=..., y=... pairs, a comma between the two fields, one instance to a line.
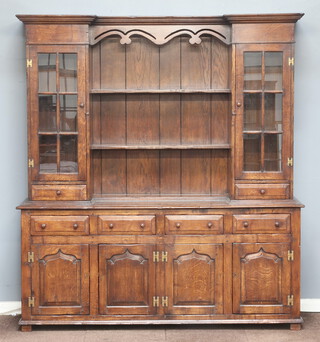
x=194, y=224
x=261, y=223
x=126, y=224
x=59, y=192
x=60, y=225
x=262, y=191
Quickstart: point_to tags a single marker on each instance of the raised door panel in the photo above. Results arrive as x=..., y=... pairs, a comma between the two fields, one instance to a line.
x=194, y=279
x=126, y=279
x=60, y=279
x=261, y=278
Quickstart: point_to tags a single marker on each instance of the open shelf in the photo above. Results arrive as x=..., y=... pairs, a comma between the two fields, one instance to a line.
x=160, y=91
x=160, y=147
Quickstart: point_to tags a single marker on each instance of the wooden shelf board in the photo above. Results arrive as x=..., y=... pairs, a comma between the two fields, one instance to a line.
x=160, y=91
x=160, y=147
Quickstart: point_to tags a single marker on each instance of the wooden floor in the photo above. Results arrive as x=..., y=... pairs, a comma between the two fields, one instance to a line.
x=237, y=333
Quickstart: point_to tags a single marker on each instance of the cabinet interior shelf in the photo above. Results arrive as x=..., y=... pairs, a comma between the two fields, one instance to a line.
x=160, y=91
x=160, y=147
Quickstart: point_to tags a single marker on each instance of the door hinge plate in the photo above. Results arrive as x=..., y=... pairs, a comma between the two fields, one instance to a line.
x=164, y=257
x=155, y=301
x=290, y=255
x=164, y=301
x=31, y=302
x=156, y=256
x=30, y=257
x=31, y=163
x=29, y=63
x=291, y=60
x=290, y=300
x=290, y=162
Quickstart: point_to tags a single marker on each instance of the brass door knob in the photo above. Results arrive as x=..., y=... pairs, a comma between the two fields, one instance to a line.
x=238, y=104
x=43, y=226
x=262, y=191
x=111, y=225
x=277, y=224
x=58, y=192
x=81, y=105
x=75, y=226
x=246, y=224
x=178, y=225
x=210, y=224
x=142, y=225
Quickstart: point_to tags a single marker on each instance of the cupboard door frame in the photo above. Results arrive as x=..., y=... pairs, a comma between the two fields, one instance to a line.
x=75, y=256
x=287, y=109
x=246, y=253
x=81, y=92
x=139, y=253
x=210, y=254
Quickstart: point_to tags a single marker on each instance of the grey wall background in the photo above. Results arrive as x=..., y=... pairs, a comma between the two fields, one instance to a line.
x=13, y=134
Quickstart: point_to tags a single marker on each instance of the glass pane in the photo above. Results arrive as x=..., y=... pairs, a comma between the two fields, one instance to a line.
x=252, y=112
x=273, y=112
x=48, y=153
x=252, y=154
x=68, y=72
x=272, y=152
x=68, y=113
x=47, y=113
x=68, y=153
x=252, y=70
x=47, y=72
x=273, y=70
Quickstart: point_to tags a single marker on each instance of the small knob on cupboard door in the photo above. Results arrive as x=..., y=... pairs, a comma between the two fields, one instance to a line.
x=210, y=224
x=238, y=104
x=58, y=192
x=142, y=225
x=81, y=105
x=277, y=224
x=43, y=226
x=262, y=191
x=111, y=225
x=178, y=225
x=75, y=226
x=246, y=224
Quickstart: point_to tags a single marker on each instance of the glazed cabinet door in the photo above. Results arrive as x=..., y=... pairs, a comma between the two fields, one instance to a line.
x=194, y=279
x=126, y=280
x=264, y=74
x=261, y=278
x=57, y=105
x=60, y=280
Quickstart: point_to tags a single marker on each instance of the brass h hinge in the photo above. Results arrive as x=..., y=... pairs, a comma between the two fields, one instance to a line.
x=30, y=257
x=30, y=163
x=290, y=255
x=291, y=61
x=155, y=301
x=290, y=162
x=290, y=300
x=156, y=256
x=29, y=63
x=164, y=301
x=164, y=256
x=31, y=302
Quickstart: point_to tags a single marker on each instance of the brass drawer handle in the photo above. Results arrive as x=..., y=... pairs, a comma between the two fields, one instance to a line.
x=142, y=225
x=111, y=225
x=178, y=225
x=246, y=224
x=43, y=226
x=58, y=192
x=262, y=191
x=277, y=224
x=210, y=224
x=75, y=226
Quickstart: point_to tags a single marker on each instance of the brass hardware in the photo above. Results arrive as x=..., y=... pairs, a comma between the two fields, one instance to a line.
x=290, y=255
x=155, y=301
x=29, y=63
x=156, y=256
x=43, y=226
x=58, y=192
x=31, y=302
x=246, y=224
x=290, y=300
x=75, y=226
x=178, y=225
x=164, y=301
x=111, y=225
x=277, y=224
x=262, y=191
x=81, y=105
x=291, y=61
x=142, y=225
x=164, y=257
x=290, y=162
x=238, y=104
x=30, y=163
x=210, y=224
x=30, y=257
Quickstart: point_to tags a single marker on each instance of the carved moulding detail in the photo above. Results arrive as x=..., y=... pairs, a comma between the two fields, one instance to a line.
x=59, y=255
x=162, y=36
x=127, y=255
x=194, y=255
x=261, y=254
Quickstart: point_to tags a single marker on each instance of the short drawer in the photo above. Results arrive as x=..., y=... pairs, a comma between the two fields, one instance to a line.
x=194, y=224
x=262, y=191
x=117, y=224
x=59, y=192
x=60, y=225
x=261, y=223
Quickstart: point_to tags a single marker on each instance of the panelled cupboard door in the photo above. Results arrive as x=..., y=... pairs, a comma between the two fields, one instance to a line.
x=60, y=280
x=261, y=278
x=194, y=279
x=57, y=106
x=264, y=74
x=126, y=279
